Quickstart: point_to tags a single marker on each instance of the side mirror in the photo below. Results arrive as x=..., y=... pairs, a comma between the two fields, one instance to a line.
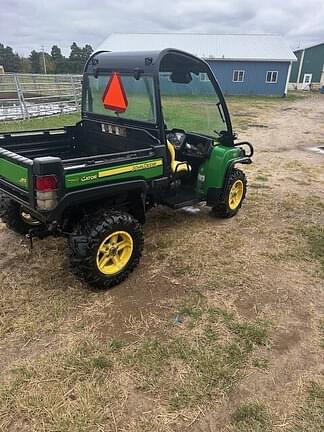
x=181, y=77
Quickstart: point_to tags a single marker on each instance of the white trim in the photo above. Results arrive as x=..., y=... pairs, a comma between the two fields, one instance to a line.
x=203, y=76
x=288, y=77
x=307, y=85
x=300, y=66
x=272, y=72
x=307, y=75
x=238, y=75
x=248, y=59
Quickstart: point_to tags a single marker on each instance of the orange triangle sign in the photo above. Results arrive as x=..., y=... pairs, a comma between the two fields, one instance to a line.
x=114, y=97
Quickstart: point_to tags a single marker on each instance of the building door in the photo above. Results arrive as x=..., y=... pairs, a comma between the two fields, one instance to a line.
x=307, y=81
x=322, y=78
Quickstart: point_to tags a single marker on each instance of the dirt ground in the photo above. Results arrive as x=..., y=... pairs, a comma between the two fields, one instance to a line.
x=220, y=328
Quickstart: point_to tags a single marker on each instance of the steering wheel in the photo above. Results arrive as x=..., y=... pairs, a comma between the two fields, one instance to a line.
x=177, y=138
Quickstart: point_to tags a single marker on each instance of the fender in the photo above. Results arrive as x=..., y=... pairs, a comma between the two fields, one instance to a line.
x=244, y=160
x=215, y=195
x=80, y=197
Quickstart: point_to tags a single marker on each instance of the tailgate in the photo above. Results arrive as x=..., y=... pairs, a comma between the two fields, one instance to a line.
x=16, y=176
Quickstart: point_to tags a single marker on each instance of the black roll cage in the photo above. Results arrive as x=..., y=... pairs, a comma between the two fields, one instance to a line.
x=147, y=63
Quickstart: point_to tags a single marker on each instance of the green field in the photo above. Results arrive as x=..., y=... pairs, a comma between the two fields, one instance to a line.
x=186, y=113
x=55, y=121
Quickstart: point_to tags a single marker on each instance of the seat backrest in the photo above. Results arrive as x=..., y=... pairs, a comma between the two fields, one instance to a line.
x=176, y=166
x=171, y=152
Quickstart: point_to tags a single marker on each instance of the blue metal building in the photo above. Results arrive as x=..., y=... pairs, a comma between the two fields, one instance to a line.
x=243, y=64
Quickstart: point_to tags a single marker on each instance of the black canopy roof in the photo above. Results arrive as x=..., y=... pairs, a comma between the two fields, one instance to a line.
x=146, y=61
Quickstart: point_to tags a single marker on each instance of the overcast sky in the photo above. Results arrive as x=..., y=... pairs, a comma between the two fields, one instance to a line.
x=29, y=24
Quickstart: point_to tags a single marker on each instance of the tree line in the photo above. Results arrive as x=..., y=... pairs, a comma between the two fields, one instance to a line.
x=40, y=62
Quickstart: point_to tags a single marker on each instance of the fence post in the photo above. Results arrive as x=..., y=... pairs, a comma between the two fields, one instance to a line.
x=20, y=94
x=74, y=92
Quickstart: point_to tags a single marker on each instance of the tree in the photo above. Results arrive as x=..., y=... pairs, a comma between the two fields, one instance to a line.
x=25, y=65
x=60, y=62
x=78, y=57
x=75, y=58
x=56, y=62
x=35, y=62
x=9, y=60
x=56, y=54
x=87, y=50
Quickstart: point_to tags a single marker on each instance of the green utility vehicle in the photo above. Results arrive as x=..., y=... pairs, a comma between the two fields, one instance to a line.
x=155, y=130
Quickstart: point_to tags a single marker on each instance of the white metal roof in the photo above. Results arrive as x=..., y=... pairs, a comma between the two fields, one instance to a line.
x=258, y=47
x=305, y=47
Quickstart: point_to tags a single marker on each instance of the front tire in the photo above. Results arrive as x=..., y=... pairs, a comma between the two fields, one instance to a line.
x=234, y=194
x=105, y=248
x=16, y=217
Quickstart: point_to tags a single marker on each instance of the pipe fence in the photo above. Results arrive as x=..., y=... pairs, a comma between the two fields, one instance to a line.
x=23, y=96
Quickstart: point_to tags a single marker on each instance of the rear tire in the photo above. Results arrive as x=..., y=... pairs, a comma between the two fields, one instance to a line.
x=234, y=194
x=14, y=216
x=105, y=248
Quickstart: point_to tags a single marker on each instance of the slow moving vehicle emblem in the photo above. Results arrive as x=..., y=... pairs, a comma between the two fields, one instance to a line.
x=114, y=97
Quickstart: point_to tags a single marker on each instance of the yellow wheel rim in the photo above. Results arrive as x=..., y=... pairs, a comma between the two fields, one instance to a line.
x=114, y=252
x=235, y=194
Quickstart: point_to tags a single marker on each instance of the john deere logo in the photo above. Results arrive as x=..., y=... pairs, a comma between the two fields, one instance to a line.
x=146, y=165
x=23, y=181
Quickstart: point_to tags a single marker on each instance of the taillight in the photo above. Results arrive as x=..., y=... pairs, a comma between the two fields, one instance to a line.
x=46, y=183
x=46, y=192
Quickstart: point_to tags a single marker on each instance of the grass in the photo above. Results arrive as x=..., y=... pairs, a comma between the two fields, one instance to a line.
x=71, y=390
x=206, y=366
x=252, y=416
x=251, y=100
x=251, y=110
x=77, y=386
x=321, y=330
x=310, y=415
x=314, y=235
x=55, y=121
x=178, y=113
x=191, y=338
x=262, y=178
x=260, y=363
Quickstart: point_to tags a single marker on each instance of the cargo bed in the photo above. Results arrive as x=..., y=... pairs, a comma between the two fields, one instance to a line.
x=75, y=155
x=85, y=141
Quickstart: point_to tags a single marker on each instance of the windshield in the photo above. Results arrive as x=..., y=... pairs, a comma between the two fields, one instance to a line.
x=121, y=95
x=189, y=99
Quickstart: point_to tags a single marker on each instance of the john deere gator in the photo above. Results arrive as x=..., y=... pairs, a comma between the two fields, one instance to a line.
x=154, y=130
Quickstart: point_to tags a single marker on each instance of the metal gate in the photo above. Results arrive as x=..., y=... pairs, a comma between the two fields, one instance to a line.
x=23, y=96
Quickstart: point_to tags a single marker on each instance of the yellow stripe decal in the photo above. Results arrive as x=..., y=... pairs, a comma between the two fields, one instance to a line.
x=130, y=168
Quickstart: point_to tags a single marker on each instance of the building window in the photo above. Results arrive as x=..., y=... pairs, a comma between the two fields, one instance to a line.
x=272, y=77
x=203, y=76
x=238, y=75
